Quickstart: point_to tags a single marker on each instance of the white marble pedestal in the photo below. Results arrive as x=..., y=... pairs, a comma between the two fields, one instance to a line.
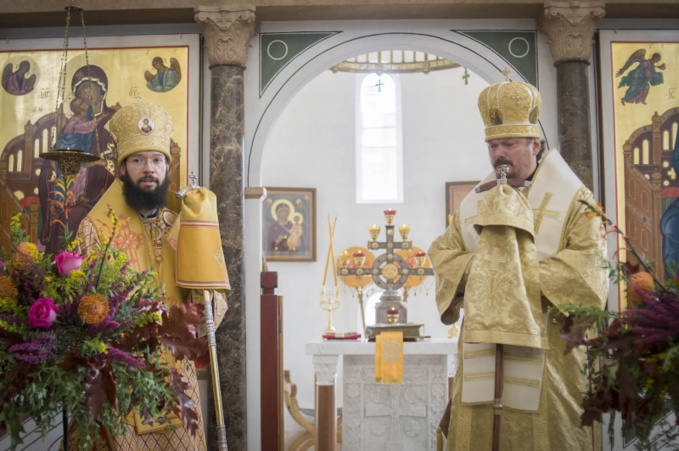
x=383, y=416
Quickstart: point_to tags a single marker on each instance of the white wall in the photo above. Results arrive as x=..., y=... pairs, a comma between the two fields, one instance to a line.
x=312, y=145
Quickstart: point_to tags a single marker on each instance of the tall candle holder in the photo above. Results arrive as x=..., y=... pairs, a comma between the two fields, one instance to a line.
x=330, y=302
x=330, y=298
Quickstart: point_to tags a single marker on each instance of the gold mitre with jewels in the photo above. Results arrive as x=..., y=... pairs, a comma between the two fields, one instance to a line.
x=139, y=127
x=510, y=109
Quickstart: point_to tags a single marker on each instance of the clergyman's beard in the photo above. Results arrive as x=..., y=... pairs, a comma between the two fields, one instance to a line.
x=142, y=200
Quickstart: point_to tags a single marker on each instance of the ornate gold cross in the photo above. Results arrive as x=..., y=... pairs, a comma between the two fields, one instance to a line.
x=542, y=211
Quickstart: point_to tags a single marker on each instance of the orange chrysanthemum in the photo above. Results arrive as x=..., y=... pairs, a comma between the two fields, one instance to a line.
x=25, y=254
x=639, y=282
x=93, y=308
x=7, y=289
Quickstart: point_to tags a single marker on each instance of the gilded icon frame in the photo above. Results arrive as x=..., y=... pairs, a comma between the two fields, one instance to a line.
x=300, y=230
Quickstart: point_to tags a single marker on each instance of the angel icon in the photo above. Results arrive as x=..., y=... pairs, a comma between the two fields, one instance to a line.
x=165, y=78
x=17, y=82
x=640, y=79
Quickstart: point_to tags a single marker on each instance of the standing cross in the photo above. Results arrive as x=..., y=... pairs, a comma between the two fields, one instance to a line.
x=389, y=271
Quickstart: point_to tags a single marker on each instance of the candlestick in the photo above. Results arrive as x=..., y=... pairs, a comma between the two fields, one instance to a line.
x=329, y=302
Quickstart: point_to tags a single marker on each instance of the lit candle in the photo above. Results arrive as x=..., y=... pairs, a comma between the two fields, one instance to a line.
x=404, y=230
x=359, y=257
x=419, y=258
x=374, y=231
x=344, y=259
x=389, y=214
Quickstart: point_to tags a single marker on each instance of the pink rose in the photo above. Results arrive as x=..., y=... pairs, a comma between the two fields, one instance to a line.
x=67, y=262
x=42, y=313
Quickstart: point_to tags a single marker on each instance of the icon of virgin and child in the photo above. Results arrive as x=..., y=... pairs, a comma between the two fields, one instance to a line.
x=286, y=233
x=85, y=130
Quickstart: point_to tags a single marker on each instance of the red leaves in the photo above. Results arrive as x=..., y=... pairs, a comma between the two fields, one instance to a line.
x=632, y=370
x=573, y=332
x=185, y=405
x=178, y=331
x=99, y=387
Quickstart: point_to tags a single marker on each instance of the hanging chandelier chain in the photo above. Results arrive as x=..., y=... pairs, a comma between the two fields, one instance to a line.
x=89, y=71
x=61, y=87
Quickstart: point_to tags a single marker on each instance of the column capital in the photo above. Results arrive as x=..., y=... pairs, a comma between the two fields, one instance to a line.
x=228, y=30
x=570, y=28
x=325, y=367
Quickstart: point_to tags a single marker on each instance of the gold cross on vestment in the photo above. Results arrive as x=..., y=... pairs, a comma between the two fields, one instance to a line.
x=542, y=211
x=494, y=259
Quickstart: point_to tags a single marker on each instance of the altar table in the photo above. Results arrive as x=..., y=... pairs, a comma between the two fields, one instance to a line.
x=382, y=416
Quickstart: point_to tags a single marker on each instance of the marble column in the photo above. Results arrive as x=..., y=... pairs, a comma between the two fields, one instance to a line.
x=228, y=30
x=570, y=29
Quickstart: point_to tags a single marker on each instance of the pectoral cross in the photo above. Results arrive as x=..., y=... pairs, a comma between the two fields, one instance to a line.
x=466, y=76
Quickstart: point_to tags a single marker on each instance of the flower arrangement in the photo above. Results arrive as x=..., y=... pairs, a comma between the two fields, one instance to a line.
x=633, y=356
x=85, y=333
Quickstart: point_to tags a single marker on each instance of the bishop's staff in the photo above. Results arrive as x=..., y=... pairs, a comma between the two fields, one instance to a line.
x=204, y=271
x=502, y=171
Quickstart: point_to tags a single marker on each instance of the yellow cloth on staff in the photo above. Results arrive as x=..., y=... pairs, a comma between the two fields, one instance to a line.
x=200, y=258
x=389, y=358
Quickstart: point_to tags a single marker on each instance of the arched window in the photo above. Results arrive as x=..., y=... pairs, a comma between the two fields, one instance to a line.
x=379, y=147
x=20, y=160
x=645, y=152
x=370, y=304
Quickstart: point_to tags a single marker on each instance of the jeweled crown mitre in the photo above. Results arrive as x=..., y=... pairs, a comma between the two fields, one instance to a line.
x=510, y=110
x=139, y=127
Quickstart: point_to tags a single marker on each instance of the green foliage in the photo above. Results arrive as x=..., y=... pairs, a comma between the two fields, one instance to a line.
x=98, y=371
x=633, y=356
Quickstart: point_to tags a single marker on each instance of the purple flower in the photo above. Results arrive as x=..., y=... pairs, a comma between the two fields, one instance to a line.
x=115, y=354
x=38, y=350
x=42, y=313
x=67, y=262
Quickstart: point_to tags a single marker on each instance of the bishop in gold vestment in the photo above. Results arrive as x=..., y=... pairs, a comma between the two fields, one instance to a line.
x=148, y=230
x=509, y=255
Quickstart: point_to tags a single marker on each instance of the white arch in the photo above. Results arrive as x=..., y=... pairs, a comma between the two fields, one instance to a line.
x=441, y=41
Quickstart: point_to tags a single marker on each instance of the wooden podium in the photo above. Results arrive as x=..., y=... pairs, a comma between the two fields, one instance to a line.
x=271, y=361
